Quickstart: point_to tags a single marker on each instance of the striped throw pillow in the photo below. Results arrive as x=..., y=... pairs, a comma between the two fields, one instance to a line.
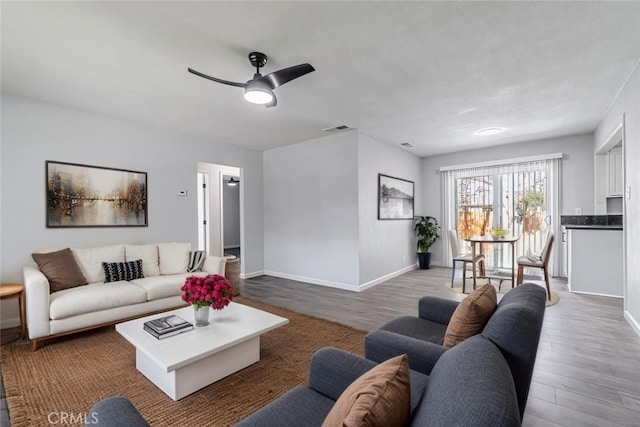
x=196, y=260
x=116, y=271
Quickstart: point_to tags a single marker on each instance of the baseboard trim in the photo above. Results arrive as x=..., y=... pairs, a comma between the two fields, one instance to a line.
x=635, y=325
x=339, y=285
x=386, y=277
x=252, y=274
x=594, y=294
x=313, y=281
x=10, y=323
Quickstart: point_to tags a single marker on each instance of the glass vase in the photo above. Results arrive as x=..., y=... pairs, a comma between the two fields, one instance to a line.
x=201, y=315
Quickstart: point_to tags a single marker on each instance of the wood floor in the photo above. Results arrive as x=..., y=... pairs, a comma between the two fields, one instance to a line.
x=587, y=370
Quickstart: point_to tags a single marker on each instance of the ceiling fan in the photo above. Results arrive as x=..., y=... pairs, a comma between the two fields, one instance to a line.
x=259, y=90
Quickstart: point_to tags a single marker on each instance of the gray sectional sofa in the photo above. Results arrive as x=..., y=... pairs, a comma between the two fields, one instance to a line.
x=514, y=328
x=470, y=385
x=483, y=381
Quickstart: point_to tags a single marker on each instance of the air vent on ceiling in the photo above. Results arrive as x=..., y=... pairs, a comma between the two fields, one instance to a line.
x=336, y=129
x=406, y=145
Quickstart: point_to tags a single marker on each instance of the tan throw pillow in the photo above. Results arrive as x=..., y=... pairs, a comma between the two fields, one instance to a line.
x=380, y=397
x=471, y=315
x=61, y=269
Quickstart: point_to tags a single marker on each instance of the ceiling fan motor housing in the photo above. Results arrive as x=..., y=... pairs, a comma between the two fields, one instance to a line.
x=258, y=59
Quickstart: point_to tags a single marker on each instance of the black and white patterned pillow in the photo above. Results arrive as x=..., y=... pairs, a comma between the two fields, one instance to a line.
x=116, y=271
x=196, y=261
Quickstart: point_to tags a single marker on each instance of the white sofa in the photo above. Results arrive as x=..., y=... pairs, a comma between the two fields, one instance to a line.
x=97, y=303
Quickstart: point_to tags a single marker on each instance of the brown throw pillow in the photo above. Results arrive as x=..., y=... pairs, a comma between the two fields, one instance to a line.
x=471, y=315
x=61, y=269
x=380, y=397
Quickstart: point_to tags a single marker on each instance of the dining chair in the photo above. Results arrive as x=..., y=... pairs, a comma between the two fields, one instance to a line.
x=534, y=261
x=465, y=257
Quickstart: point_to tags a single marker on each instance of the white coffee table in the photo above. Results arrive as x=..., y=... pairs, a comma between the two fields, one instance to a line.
x=184, y=363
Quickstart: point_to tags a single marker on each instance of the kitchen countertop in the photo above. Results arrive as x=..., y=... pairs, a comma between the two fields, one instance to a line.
x=591, y=227
x=591, y=222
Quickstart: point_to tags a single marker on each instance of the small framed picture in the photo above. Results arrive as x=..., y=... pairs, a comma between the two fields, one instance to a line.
x=395, y=198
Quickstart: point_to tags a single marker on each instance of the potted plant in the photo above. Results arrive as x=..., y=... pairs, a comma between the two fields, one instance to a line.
x=427, y=231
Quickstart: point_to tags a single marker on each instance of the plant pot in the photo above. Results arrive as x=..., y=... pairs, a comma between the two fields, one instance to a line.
x=424, y=260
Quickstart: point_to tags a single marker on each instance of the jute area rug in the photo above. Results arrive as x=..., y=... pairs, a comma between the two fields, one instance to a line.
x=67, y=376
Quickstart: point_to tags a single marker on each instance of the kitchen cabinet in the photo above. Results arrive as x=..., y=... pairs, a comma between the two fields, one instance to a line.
x=595, y=260
x=615, y=171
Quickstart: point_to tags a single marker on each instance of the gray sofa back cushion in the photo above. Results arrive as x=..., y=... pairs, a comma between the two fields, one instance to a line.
x=469, y=386
x=515, y=329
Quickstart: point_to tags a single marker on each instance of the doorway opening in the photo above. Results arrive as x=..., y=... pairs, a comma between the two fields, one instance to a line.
x=219, y=209
x=231, y=215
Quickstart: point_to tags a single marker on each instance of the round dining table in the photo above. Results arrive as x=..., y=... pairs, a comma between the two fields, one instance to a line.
x=494, y=240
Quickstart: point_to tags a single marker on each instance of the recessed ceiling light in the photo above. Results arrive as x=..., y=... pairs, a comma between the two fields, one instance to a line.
x=489, y=131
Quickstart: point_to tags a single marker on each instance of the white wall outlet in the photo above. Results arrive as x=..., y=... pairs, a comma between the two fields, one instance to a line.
x=182, y=193
x=628, y=192
x=578, y=211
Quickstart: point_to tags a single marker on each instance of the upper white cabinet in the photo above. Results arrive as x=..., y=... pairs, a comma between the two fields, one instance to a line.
x=615, y=171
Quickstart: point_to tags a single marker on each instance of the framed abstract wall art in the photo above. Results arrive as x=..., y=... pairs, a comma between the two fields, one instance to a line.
x=395, y=198
x=95, y=196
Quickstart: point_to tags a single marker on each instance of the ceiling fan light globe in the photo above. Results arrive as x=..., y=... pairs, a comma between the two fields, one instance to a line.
x=258, y=92
x=258, y=96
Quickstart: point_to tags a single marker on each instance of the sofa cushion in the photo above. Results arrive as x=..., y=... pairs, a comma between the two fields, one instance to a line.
x=61, y=269
x=418, y=328
x=164, y=286
x=116, y=271
x=298, y=407
x=174, y=257
x=94, y=297
x=149, y=256
x=471, y=315
x=380, y=397
x=90, y=260
x=515, y=329
x=471, y=385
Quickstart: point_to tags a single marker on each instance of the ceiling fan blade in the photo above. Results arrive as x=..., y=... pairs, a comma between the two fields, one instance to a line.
x=280, y=77
x=273, y=103
x=224, y=82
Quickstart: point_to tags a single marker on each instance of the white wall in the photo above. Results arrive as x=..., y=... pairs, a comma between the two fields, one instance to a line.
x=321, y=218
x=231, y=215
x=627, y=104
x=311, y=211
x=34, y=132
x=386, y=247
x=577, y=173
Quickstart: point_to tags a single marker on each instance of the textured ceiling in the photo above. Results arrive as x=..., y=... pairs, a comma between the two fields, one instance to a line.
x=427, y=73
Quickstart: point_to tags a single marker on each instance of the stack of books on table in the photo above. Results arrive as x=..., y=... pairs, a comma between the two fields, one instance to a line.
x=167, y=326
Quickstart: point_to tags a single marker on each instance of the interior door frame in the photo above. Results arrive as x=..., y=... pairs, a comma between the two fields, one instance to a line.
x=216, y=207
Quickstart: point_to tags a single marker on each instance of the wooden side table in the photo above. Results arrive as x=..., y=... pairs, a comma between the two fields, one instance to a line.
x=16, y=290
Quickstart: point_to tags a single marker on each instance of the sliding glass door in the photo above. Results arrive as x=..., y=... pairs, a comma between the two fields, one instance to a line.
x=512, y=197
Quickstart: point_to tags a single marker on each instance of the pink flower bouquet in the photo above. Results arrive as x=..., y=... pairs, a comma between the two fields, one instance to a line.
x=213, y=290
